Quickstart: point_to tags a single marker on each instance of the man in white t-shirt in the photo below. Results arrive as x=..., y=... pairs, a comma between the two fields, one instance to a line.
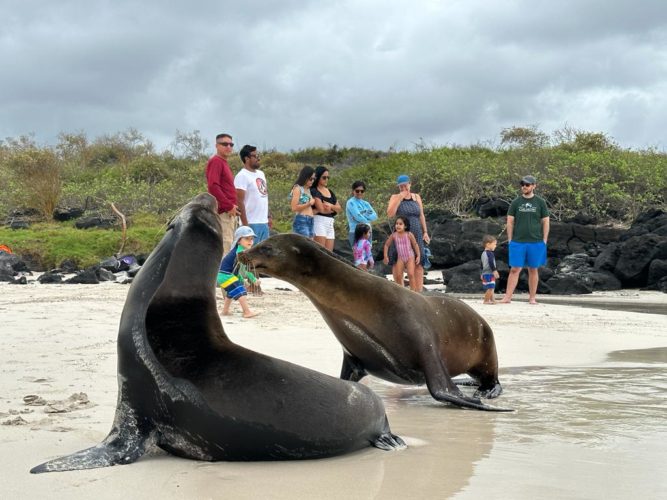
x=252, y=196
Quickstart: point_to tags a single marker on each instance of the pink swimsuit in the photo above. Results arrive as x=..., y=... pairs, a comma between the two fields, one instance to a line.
x=403, y=247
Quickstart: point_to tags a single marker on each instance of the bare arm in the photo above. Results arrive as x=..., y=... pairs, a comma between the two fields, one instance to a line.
x=510, y=227
x=319, y=206
x=394, y=201
x=240, y=202
x=422, y=221
x=336, y=208
x=386, y=247
x=415, y=247
x=545, y=228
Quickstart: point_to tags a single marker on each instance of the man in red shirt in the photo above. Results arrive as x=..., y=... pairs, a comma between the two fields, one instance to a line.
x=220, y=181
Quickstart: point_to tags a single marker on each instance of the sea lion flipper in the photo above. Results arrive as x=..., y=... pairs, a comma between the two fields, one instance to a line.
x=442, y=387
x=466, y=402
x=122, y=446
x=388, y=441
x=489, y=393
x=352, y=369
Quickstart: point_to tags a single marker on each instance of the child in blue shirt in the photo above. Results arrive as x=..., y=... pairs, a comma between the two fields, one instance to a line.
x=232, y=273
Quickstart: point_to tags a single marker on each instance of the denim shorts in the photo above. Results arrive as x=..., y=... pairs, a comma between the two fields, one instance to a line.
x=531, y=255
x=303, y=225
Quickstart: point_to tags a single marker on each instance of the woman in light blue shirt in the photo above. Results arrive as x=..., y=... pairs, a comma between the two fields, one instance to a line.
x=358, y=210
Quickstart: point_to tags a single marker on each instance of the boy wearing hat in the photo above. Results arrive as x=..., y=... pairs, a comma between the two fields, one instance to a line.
x=527, y=234
x=232, y=273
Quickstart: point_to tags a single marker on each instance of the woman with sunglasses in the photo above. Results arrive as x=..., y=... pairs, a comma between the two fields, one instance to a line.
x=358, y=210
x=302, y=203
x=326, y=208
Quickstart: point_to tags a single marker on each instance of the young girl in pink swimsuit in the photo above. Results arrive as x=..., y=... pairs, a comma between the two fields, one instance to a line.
x=407, y=251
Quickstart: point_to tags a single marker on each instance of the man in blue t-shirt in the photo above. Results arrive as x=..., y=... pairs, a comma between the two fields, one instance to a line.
x=527, y=233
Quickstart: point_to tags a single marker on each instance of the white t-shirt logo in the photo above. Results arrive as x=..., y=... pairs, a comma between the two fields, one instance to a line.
x=261, y=186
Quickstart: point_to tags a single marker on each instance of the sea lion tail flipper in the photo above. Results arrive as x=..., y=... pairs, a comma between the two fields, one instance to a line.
x=388, y=441
x=119, y=448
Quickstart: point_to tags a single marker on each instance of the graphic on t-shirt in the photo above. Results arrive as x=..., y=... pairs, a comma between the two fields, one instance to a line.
x=261, y=186
x=527, y=207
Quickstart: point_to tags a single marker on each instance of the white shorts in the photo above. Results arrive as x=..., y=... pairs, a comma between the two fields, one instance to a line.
x=324, y=226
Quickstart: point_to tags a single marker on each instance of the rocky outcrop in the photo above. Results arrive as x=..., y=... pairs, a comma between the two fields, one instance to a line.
x=581, y=258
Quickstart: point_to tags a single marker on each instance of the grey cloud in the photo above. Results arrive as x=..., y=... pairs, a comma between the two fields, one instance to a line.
x=300, y=73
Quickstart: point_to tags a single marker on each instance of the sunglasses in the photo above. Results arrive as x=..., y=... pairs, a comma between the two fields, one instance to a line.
x=324, y=177
x=359, y=190
x=226, y=144
x=255, y=156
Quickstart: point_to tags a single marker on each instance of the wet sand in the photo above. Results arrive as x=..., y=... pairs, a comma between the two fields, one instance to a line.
x=588, y=385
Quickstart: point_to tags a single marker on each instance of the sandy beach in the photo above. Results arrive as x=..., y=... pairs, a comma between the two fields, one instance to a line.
x=588, y=384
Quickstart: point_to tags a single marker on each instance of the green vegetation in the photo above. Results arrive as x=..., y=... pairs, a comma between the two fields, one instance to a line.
x=577, y=171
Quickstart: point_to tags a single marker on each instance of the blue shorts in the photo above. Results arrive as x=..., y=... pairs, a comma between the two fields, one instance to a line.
x=531, y=255
x=303, y=225
x=488, y=281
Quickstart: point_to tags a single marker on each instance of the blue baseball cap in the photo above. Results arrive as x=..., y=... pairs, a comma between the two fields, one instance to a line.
x=402, y=179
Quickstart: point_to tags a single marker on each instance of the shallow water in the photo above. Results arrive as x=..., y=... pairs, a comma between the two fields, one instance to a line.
x=596, y=432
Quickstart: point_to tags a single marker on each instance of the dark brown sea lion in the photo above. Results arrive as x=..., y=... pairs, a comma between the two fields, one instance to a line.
x=187, y=388
x=386, y=330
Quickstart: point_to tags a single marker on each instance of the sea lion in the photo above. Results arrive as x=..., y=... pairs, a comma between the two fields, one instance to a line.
x=185, y=387
x=387, y=330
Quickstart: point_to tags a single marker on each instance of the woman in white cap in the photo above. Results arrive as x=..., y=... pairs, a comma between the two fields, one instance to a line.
x=408, y=204
x=232, y=273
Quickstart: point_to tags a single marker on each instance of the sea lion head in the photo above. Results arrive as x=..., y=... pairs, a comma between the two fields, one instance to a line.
x=191, y=250
x=285, y=256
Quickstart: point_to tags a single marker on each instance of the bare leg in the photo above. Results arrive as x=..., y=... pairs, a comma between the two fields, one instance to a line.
x=419, y=278
x=329, y=245
x=225, y=307
x=247, y=313
x=321, y=240
x=512, y=281
x=411, y=275
x=397, y=272
x=533, y=280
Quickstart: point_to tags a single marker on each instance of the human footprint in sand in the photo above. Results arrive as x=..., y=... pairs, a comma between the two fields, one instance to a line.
x=232, y=273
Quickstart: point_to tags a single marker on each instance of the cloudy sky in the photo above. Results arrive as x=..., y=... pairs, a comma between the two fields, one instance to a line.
x=372, y=73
